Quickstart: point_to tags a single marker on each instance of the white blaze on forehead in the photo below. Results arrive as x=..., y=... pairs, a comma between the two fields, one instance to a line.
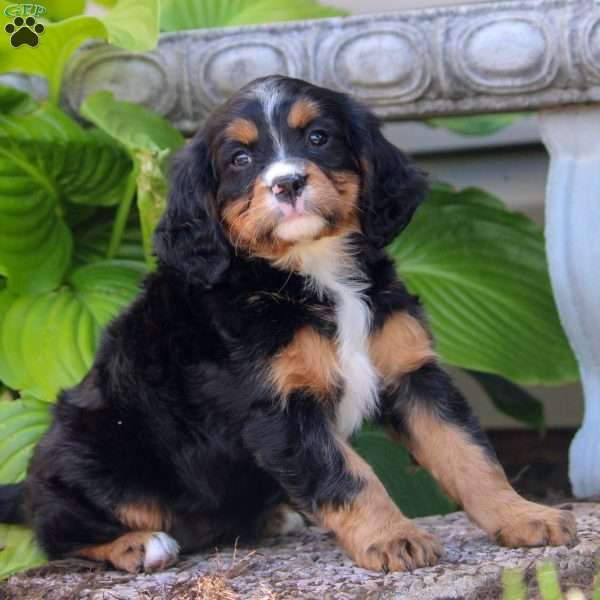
x=282, y=168
x=269, y=96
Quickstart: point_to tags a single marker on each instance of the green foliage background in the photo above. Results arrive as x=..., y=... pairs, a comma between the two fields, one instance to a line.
x=548, y=584
x=78, y=206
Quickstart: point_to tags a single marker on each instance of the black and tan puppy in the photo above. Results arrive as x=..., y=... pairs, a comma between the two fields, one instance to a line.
x=274, y=324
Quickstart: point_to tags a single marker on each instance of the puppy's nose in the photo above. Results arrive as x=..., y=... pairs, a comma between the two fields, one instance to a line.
x=288, y=187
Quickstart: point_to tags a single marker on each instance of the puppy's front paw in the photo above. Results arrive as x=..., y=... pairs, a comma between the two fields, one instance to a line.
x=535, y=525
x=402, y=548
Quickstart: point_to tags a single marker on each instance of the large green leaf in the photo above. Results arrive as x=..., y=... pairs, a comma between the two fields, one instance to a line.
x=512, y=400
x=150, y=139
x=131, y=24
x=47, y=159
x=18, y=550
x=133, y=125
x=55, y=47
x=6, y=393
x=22, y=423
x=92, y=240
x=13, y=101
x=481, y=273
x=411, y=487
x=59, y=9
x=177, y=15
x=269, y=11
x=47, y=341
x=478, y=125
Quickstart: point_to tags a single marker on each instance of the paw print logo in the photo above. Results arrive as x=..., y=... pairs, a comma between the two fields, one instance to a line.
x=24, y=31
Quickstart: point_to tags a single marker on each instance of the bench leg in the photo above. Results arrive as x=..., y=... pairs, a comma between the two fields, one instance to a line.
x=572, y=137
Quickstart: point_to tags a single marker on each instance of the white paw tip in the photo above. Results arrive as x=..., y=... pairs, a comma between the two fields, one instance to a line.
x=161, y=551
x=292, y=521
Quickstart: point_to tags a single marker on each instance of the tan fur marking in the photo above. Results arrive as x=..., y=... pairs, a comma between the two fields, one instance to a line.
x=250, y=221
x=400, y=346
x=372, y=529
x=303, y=111
x=338, y=198
x=145, y=515
x=126, y=552
x=479, y=484
x=309, y=363
x=242, y=130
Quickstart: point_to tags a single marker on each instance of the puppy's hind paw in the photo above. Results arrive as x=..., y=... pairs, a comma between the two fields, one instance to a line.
x=283, y=520
x=161, y=551
x=136, y=551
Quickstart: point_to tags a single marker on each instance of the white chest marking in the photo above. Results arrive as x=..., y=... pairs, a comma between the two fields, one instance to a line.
x=332, y=270
x=360, y=391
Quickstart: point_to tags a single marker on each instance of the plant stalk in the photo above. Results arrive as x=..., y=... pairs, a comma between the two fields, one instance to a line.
x=123, y=212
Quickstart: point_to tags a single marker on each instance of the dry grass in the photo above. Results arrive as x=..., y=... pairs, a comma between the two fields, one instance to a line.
x=209, y=587
x=216, y=586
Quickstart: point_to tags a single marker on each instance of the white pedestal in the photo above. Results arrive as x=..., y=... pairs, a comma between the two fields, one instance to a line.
x=572, y=136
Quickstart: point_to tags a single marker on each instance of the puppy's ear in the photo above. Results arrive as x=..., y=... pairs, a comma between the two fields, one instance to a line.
x=189, y=239
x=392, y=188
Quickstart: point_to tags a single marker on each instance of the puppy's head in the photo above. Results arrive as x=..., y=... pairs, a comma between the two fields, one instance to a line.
x=282, y=163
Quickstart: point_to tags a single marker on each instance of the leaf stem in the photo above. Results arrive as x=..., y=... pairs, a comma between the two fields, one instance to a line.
x=123, y=212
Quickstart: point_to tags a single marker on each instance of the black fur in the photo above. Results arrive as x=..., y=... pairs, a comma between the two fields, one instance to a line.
x=11, y=503
x=432, y=387
x=393, y=189
x=177, y=408
x=189, y=239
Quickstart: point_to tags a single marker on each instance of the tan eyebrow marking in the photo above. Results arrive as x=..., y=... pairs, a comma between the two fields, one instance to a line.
x=303, y=111
x=242, y=130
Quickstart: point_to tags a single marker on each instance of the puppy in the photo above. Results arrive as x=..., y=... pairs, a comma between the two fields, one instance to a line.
x=273, y=326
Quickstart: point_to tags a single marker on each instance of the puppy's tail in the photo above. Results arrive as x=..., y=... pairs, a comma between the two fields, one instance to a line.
x=12, y=498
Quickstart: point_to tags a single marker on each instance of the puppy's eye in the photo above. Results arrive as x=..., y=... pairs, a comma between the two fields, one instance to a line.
x=318, y=137
x=241, y=159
